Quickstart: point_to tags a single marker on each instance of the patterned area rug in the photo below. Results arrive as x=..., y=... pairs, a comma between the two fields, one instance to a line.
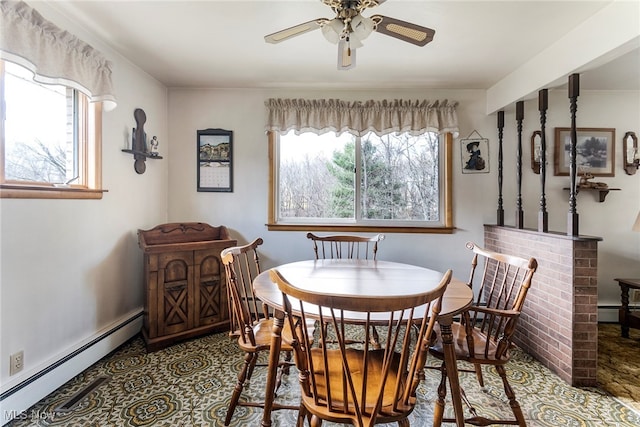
x=619, y=363
x=190, y=383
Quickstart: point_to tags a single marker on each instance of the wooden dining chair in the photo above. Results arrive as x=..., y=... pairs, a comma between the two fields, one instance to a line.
x=484, y=334
x=352, y=247
x=362, y=385
x=251, y=322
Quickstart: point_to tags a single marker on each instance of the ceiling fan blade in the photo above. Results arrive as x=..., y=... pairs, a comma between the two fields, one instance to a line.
x=403, y=30
x=296, y=30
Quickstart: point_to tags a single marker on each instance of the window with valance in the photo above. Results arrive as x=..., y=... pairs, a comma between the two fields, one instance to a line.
x=54, y=88
x=361, y=166
x=54, y=55
x=359, y=118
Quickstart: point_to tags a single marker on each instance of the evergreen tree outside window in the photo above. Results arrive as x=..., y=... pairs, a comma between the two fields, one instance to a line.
x=396, y=180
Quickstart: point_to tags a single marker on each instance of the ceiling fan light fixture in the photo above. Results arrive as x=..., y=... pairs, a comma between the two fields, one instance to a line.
x=332, y=30
x=353, y=41
x=362, y=27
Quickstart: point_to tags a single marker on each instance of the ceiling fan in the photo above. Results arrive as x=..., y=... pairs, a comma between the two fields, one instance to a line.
x=349, y=28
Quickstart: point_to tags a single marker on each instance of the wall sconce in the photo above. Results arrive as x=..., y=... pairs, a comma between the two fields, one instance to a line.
x=536, y=151
x=631, y=154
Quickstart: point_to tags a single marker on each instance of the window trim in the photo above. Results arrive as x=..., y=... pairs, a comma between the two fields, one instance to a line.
x=90, y=159
x=447, y=209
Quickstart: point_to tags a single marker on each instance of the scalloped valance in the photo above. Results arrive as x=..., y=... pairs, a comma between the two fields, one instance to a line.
x=358, y=118
x=54, y=56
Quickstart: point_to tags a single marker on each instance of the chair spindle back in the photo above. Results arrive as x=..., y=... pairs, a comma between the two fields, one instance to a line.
x=501, y=291
x=242, y=265
x=352, y=247
x=360, y=385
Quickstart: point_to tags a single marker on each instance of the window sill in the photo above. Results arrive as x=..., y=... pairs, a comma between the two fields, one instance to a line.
x=17, y=191
x=360, y=228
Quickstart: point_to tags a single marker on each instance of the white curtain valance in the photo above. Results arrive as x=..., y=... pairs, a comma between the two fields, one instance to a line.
x=358, y=118
x=54, y=56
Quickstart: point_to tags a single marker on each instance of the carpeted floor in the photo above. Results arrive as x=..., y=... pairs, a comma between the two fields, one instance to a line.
x=619, y=363
x=189, y=384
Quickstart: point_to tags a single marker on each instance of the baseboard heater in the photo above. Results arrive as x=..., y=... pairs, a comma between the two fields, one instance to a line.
x=52, y=367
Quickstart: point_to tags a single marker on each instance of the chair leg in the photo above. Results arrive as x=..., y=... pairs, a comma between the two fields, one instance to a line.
x=250, y=369
x=467, y=402
x=403, y=423
x=325, y=330
x=287, y=359
x=515, y=406
x=283, y=368
x=302, y=415
x=315, y=421
x=438, y=410
x=249, y=360
x=478, y=369
x=375, y=339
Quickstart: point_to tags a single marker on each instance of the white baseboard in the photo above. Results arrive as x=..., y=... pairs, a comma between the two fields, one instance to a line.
x=608, y=314
x=16, y=399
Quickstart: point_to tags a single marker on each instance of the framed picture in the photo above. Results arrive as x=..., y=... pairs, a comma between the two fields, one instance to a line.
x=595, y=151
x=475, y=155
x=215, y=160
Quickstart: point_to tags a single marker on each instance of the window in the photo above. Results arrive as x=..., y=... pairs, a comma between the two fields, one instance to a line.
x=50, y=139
x=395, y=182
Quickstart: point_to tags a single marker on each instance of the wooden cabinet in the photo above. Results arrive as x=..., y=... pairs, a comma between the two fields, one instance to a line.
x=185, y=286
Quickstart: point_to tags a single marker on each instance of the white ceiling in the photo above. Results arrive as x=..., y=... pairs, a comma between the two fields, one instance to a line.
x=220, y=43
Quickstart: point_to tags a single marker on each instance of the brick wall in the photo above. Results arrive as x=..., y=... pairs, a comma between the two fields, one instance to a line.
x=559, y=322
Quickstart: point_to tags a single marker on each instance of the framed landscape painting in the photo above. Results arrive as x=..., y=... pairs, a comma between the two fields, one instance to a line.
x=595, y=151
x=215, y=167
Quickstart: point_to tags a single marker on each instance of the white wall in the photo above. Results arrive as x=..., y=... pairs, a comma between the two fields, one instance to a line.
x=475, y=196
x=71, y=269
x=244, y=211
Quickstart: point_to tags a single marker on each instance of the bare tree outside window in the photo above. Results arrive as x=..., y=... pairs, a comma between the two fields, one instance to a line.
x=39, y=137
x=398, y=178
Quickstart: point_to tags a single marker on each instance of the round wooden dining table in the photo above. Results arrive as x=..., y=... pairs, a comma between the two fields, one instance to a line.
x=359, y=278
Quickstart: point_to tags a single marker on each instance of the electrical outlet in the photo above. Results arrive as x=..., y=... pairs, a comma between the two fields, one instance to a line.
x=635, y=296
x=16, y=362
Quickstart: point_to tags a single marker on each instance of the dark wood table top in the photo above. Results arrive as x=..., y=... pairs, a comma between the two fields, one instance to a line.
x=634, y=283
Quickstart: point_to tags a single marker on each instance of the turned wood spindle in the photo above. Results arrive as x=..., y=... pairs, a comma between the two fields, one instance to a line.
x=572, y=216
x=500, y=219
x=543, y=216
x=519, y=119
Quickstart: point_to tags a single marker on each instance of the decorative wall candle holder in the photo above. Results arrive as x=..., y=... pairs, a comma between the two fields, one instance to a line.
x=139, y=143
x=535, y=151
x=631, y=154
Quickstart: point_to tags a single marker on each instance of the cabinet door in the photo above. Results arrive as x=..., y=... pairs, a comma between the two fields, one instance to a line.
x=175, y=292
x=211, y=295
